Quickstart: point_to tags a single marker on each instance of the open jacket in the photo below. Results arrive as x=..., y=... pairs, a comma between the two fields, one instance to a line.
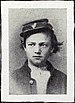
x=21, y=82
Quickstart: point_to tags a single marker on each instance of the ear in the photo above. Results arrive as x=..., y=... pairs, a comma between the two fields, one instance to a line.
x=24, y=48
x=51, y=51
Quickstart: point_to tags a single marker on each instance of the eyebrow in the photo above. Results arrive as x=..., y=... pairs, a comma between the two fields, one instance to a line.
x=39, y=43
x=31, y=42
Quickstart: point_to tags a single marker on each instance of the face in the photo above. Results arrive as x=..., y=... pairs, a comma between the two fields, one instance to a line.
x=38, y=47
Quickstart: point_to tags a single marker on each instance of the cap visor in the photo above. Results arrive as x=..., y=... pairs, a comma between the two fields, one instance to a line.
x=33, y=31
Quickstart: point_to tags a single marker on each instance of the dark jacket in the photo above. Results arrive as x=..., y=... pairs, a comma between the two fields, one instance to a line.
x=22, y=83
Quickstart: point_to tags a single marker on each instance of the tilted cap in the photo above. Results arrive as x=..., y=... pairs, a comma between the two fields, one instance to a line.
x=36, y=26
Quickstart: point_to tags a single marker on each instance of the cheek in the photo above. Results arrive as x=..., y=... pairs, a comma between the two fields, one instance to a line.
x=28, y=54
x=46, y=51
x=29, y=51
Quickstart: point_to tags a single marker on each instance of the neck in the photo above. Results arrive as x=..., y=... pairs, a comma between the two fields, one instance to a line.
x=42, y=67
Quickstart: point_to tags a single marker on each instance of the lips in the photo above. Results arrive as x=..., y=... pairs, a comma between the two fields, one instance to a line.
x=37, y=56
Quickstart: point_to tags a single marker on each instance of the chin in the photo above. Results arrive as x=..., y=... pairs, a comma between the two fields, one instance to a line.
x=37, y=63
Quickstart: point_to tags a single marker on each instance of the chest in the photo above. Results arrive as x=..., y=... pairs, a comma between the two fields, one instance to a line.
x=41, y=78
x=38, y=84
x=35, y=84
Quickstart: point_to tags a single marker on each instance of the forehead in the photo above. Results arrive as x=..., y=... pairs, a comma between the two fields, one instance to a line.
x=38, y=37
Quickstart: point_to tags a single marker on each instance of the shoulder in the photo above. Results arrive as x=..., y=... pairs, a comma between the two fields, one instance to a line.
x=60, y=75
x=58, y=82
x=55, y=72
x=59, y=78
x=16, y=80
x=19, y=73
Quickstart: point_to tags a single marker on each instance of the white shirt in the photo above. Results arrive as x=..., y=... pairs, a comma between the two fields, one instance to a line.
x=41, y=75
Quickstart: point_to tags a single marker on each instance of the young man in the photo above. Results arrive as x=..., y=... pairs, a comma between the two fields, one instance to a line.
x=38, y=76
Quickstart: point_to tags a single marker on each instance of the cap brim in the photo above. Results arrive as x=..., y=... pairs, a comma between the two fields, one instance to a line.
x=36, y=30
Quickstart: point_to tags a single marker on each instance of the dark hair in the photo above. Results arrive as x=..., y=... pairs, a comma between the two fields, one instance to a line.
x=54, y=42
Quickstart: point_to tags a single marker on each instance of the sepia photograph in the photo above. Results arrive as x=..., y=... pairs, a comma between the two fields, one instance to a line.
x=37, y=51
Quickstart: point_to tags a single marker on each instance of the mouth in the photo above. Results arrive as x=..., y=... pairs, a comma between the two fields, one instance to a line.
x=37, y=56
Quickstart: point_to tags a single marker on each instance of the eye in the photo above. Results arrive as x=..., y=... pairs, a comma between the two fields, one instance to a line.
x=31, y=44
x=43, y=45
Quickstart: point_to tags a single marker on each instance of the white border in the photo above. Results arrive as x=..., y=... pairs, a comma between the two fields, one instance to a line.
x=69, y=97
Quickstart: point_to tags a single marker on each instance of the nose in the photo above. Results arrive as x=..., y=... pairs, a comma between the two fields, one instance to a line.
x=37, y=49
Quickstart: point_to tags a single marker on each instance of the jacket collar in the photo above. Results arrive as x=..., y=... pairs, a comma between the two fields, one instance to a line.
x=49, y=67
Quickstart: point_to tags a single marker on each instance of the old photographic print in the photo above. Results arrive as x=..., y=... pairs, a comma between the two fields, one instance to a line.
x=37, y=51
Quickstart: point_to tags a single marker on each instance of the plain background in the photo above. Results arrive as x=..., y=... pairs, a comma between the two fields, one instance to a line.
x=58, y=19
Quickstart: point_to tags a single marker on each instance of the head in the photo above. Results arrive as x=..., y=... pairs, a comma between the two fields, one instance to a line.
x=40, y=42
